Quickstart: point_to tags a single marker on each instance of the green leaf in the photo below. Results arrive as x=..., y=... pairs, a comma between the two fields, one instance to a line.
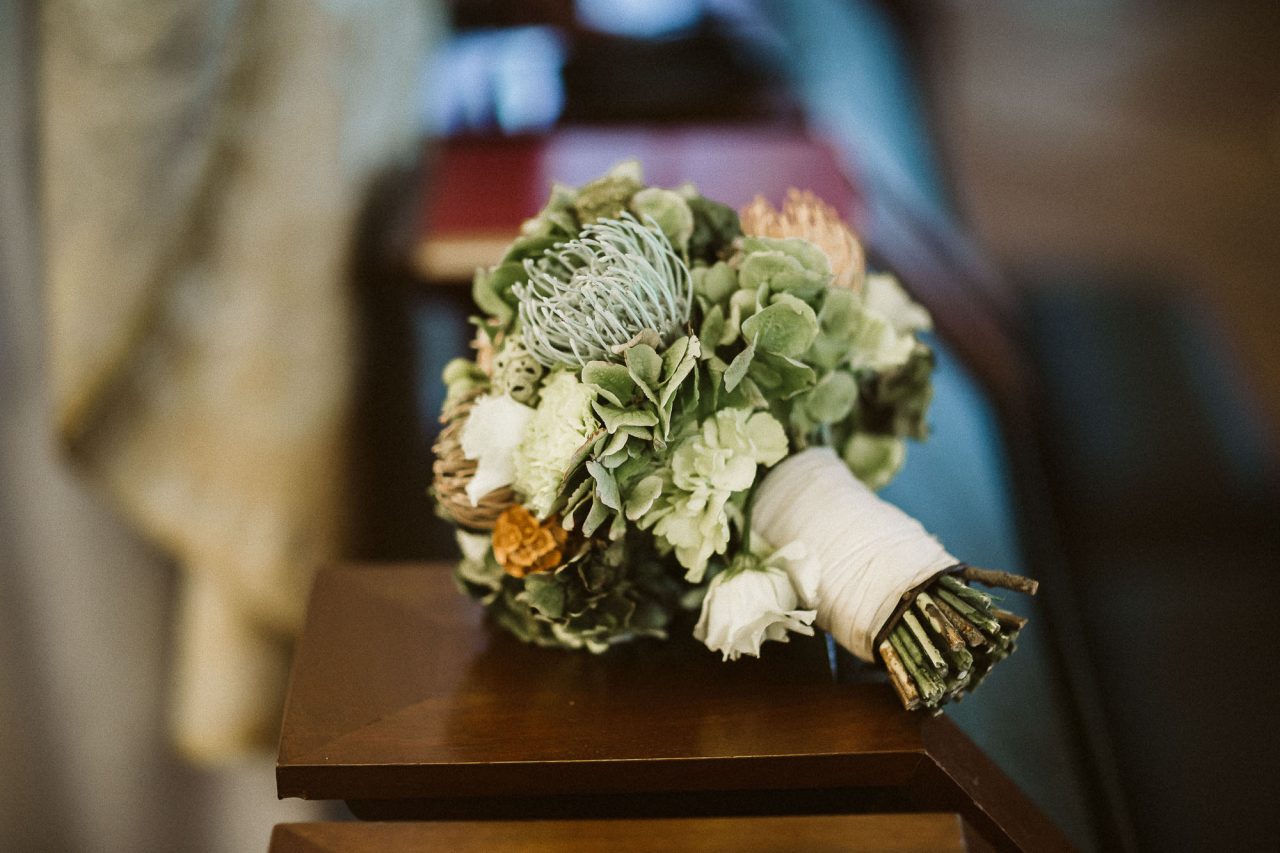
x=838, y=319
x=748, y=395
x=780, y=273
x=672, y=356
x=678, y=361
x=738, y=367
x=780, y=377
x=619, y=526
x=840, y=311
x=544, y=594
x=645, y=367
x=615, y=418
x=576, y=499
x=717, y=284
x=832, y=398
x=606, y=485
x=491, y=290
x=639, y=432
x=605, y=198
x=807, y=255
x=612, y=381
x=669, y=211
x=874, y=459
x=786, y=327
x=616, y=443
x=715, y=226
x=595, y=517
x=712, y=330
x=642, y=496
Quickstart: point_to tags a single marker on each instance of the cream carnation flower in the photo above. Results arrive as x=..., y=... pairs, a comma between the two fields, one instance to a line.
x=562, y=423
x=492, y=431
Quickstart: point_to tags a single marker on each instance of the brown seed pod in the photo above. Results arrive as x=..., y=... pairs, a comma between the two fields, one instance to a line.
x=453, y=471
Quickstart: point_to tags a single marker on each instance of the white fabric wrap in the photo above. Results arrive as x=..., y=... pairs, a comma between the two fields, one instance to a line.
x=867, y=551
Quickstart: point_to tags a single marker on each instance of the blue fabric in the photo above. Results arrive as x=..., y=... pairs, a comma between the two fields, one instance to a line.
x=853, y=76
x=957, y=484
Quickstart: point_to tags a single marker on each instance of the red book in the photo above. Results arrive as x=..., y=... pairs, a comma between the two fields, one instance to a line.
x=482, y=188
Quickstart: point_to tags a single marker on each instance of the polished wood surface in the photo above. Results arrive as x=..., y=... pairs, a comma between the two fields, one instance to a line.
x=405, y=703
x=893, y=833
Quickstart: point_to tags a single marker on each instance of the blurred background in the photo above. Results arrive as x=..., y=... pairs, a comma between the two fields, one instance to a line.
x=235, y=240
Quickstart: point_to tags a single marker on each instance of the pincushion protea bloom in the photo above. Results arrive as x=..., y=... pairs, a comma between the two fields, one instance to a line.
x=591, y=295
x=808, y=217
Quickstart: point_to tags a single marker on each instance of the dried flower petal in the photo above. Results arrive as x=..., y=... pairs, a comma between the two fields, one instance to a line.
x=806, y=216
x=522, y=545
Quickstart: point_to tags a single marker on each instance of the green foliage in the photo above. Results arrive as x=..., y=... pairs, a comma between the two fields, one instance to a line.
x=897, y=401
x=606, y=198
x=786, y=265
x=603, y=596
x=669, y=211
x=716, y=283
x=786, y=327
x=461, y=376
x=491, y=290
x=698, y=358
x=715, y=227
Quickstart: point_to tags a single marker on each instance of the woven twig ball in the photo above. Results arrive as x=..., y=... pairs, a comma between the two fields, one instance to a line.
x=453, y=471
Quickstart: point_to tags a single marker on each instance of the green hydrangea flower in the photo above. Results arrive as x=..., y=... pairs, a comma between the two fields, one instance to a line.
x=669, y=211
x=874, y=459
x=562, y=423
x=706, y=470
x=601, y=597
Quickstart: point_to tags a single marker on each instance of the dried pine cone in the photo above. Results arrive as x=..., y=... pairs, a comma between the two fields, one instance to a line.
x=453, y=471
x=522, y=545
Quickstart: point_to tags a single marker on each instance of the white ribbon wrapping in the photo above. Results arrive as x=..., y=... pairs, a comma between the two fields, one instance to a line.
x=868, y=552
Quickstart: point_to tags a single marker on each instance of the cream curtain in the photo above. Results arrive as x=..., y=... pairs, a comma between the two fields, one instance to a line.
x=179, y=182
x=203, y=163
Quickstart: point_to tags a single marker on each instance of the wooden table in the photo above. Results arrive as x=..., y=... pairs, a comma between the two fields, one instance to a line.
x=406, y=704
x=899, y=833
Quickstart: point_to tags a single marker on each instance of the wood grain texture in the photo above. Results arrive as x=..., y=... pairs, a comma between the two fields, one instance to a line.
x=895, y=833
x=405, y=703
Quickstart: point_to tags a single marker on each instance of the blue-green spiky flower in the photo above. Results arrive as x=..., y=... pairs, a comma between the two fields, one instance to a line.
x=588, y=297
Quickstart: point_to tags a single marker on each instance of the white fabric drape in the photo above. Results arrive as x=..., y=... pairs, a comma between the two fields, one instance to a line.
x=179, y=183
x=203, y=167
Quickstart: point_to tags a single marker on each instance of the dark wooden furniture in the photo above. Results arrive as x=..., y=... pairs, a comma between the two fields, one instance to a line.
x=892, y=833
x=405, y=704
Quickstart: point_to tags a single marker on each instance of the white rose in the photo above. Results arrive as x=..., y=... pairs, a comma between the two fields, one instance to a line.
x=490, y=435
x=745, y=608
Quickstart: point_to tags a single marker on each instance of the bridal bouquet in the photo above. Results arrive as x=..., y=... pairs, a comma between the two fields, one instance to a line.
x=674, y=406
